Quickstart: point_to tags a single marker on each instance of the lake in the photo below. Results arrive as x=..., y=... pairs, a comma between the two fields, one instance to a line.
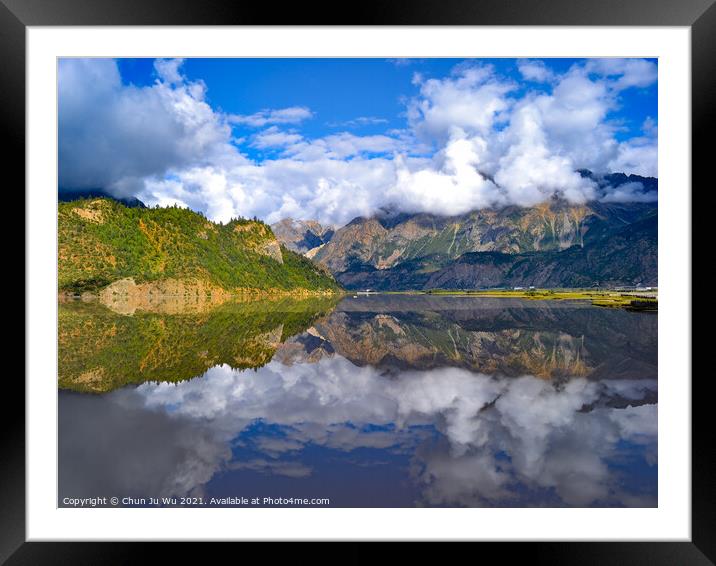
x=372, y=401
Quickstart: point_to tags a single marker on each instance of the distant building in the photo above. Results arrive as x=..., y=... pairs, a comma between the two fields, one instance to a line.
x=518, y=289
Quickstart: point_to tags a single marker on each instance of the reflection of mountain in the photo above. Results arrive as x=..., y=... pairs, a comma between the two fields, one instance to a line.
x=100, y=350
x=547, y=339
x=383, y=401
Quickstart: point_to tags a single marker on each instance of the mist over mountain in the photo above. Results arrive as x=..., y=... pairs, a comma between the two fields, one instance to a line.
x=68, y=195
x=626, y=256
x=611, y=241
x=553, y=244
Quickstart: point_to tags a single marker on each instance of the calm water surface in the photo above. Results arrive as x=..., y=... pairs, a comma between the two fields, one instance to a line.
x=377, y=401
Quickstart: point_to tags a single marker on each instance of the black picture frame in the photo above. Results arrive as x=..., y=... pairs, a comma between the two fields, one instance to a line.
x=699, y=15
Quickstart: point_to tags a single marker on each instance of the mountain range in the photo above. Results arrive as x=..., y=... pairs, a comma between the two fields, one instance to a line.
x=106, y=241
x=98, y=350
x=553, y=244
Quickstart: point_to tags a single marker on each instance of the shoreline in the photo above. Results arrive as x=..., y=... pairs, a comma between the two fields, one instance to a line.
x=127, y=291
x=187, y=288
x=125, y=296
x=641, y=301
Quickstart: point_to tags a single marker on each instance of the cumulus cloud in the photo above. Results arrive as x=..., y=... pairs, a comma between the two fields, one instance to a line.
x=625, y=72
x=291, y=115
x=534, y=70
x=401, y=61
x=469, y=102
x=639, y=155
x=273, y=137
x=530, y=171
x=168, y=70
x=358, y=122
x=343, y=145
x=323, y=188
x=473, y=139
x=451, y=184
x=113, y=136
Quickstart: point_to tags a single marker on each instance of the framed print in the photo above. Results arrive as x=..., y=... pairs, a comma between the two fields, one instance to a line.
x=424, y=275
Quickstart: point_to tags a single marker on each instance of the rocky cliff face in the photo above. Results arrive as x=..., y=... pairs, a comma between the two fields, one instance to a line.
x=548, y=339
x=624, y=257
x=384, y=242
x=302, y=236
x=553, y=244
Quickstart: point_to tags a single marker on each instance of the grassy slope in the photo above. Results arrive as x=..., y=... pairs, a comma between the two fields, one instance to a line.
x=101, y=241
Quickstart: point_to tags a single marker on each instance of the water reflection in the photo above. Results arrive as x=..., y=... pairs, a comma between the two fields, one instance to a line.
x=385, y=401
x=101, y=349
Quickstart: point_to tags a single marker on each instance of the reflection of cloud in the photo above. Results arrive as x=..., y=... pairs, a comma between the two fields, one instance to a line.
x=638, y=424
x=288, y=469
x=111, y=445
x=504, y=437
x=466, y=438
x=472, y=480
x=278, y=445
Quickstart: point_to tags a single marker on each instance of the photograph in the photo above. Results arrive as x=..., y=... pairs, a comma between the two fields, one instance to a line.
x=358, y=282
x=411, y=272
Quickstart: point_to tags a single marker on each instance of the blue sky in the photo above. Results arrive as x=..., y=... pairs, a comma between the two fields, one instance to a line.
x=341, y=90
x=279, y=137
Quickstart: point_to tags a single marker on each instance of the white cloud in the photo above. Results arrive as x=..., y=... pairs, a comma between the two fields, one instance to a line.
x=402, y=61
x=629, y=192
x=637, y=159
x=291, y=115
x=343, y=145
x=530, y=172
x=534, y=70
x=359, y=122
x=273, y=137
x=451, y=184
x=649, y=127
x=625, y=72
x=114, y=136
x=638, y=155
x=322, y=188
x=469, y=102
x=470, y=142
x=168, y=70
